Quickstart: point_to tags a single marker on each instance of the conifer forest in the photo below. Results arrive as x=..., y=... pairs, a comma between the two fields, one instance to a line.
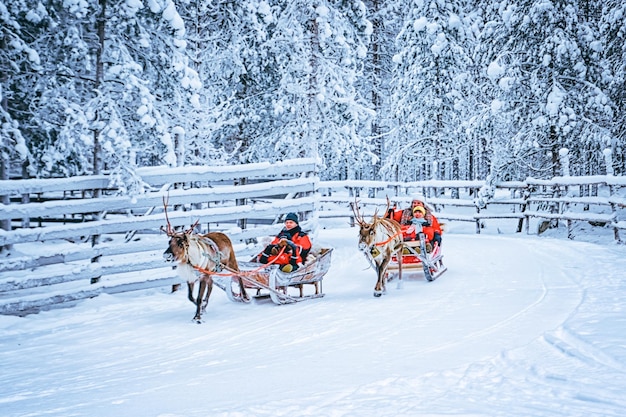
x=397, y=90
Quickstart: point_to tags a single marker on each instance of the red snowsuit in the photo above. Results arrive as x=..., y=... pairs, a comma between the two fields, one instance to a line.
x=408, y=230
x=297, y=246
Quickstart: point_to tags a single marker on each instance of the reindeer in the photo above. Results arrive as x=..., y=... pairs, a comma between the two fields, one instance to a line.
x=379, y=240
x=199, y=256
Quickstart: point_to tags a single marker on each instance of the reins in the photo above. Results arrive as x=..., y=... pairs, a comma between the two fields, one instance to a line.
x=399, y=232
x=388, y=240
x=232, y=272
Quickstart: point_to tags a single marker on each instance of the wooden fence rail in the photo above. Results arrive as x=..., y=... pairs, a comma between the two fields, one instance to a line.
x=59, y=215
x=564, y=199
x=49, y=260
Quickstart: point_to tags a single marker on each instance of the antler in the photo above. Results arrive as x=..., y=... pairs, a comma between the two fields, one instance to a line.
x=193, y=226
x=386, y=209
x=357, y=215
x=169, y=231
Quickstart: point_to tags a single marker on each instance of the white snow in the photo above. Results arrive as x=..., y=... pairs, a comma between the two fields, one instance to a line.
x=495, y=70
x=518, y=326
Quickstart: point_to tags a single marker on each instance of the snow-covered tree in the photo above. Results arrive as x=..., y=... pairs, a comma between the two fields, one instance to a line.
x=280, y=81
x=112, y=73
x=613, y=29
x=549, y=66
x=19, y=62
x=227, y=49
x=431, y=87
x=375, y=84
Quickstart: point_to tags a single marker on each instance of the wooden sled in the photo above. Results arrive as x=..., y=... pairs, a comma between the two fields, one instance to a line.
x=414, y=257
x=270, y=281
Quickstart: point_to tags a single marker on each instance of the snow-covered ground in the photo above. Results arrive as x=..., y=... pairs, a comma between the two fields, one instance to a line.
x=518, y=326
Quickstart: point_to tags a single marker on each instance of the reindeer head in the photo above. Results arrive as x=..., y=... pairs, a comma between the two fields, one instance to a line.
x=177, y=249
x=367, y=231
x=178, y=245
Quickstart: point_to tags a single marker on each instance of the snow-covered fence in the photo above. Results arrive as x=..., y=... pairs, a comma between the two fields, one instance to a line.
x=598, y=200
x=48, y=258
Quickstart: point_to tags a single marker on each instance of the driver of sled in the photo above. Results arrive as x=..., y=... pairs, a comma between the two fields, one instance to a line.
x=296, y=244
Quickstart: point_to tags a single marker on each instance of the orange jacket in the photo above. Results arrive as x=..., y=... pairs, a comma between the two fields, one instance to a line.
x=300, y=241
x=409, y=232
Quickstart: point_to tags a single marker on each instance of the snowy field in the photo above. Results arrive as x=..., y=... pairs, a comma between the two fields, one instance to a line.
x=518, y=326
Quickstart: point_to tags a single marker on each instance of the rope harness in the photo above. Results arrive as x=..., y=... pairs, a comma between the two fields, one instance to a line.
x=388, y=240
x=232, y=272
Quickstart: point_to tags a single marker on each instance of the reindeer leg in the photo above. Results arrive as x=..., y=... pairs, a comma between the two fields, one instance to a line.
x=383, y=270
x=201, y=290
x=209, y=288
x=379, y=288
x=190, y=292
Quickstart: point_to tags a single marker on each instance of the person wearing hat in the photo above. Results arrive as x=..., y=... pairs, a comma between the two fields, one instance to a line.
x=405, y=216
x=296, y=244
x=430, y=228
x=408, y=213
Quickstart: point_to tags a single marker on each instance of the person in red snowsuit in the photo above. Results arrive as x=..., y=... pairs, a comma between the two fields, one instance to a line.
x=430, y=224
x=296, y=244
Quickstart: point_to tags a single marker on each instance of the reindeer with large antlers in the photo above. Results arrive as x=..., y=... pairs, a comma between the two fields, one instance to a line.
x=199, y=256
x=379, y=240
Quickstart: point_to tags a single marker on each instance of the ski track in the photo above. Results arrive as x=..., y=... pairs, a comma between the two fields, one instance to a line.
x=481, y=340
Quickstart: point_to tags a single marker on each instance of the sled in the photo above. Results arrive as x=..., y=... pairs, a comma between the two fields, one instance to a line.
x=270, y=281
x=414, y=257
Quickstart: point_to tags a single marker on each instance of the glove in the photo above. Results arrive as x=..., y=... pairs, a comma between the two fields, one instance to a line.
x=274, y=250
x=291, y=247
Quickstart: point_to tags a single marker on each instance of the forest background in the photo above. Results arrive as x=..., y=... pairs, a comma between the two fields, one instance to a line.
x=387, y=90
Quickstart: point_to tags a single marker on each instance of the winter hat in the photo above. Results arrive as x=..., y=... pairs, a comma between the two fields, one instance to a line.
x=420, y=209
x=292, y=216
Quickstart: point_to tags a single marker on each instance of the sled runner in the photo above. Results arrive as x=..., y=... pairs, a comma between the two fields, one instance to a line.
x=415, y=257
x=270, y=281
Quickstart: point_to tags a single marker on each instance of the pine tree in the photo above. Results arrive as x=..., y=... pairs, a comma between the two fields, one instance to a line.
x=550, y=93
x=19, y=63
x=613, y=30
x=375, y=85
x=431, y=88
x=112, y=73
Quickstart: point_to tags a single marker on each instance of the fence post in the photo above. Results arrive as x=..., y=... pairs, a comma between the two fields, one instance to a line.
x=241, y=223
x=608, y=161
x=6, y=199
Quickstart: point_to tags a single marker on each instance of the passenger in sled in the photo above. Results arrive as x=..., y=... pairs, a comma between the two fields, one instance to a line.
x=418, y=214
x=296, y=244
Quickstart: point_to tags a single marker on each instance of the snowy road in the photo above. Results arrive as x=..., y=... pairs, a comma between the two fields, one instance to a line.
x=516, y=327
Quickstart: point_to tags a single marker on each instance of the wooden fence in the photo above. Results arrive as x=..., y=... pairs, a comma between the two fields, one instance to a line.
x=61, y=245
x=598, y=200
x=99, y=245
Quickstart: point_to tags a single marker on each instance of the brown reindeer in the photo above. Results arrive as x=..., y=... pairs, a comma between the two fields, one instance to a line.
x=199, y=256
x=379, y=240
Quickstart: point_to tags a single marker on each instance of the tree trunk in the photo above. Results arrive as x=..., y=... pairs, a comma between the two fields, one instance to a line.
x=97, y=156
